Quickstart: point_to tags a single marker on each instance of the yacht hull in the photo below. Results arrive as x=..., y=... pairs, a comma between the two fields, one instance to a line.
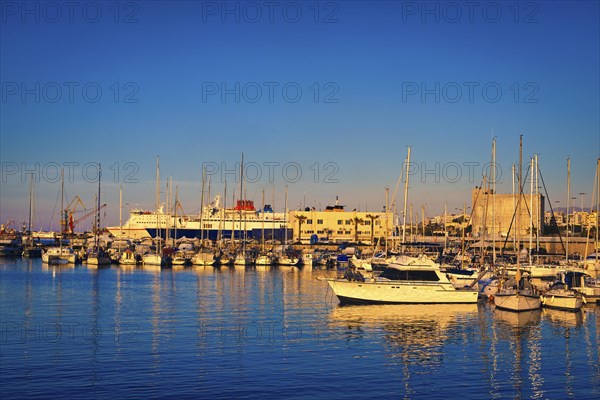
x=399, y=293
x=562, y=302
x=517, y=302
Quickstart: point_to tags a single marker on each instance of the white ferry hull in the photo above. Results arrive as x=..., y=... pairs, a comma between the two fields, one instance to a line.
x=133, y=233
x=399, y=293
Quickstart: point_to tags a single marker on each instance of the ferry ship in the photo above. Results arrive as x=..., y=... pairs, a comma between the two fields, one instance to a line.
x=218, y=223
x=136, y=227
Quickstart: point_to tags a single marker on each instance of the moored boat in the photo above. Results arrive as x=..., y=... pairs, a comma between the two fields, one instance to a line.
x=561, y=297
x=517, y=294
x=415, y=281
x=59, y=255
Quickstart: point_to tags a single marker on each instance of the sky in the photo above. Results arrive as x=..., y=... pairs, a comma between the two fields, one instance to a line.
x=322, y=97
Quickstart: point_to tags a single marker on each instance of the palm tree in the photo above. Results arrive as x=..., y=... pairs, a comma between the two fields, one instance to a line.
x=356, y=221
x=300, y=219
x=372, y=217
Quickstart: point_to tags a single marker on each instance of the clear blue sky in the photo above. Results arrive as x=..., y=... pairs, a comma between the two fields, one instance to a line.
x=375, y=77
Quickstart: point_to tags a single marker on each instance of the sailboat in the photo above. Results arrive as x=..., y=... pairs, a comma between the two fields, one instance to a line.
x=264, y=258
x=31, y=250
x=98, y=256
x=157, y=259
x=203, y=257
x=242, y=256
x=60, y=255
x=517, y=294
x=561, y=296
x=284, y=258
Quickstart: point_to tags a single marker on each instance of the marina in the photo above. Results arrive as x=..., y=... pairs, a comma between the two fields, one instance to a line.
x=172, y=304
x=269, y=332
x=300, y=200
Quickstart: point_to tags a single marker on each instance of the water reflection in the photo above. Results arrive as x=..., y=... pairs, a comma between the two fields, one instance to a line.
x=567, y=319
x=562, y=325
x=414, y=334
x=521, y=330
x=207, y=327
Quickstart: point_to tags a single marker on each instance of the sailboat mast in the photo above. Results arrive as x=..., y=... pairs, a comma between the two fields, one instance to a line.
x=273, y=222
x=464, y=224
x=262, y=240
x=485, y=187
x=405, y=199
x=156, y=204
x=202, y=207
x=223, y=212
x=568, y=200
x=157, y=246
x=62, y=206
x=423, y=220
x=98, y=209
x=531, y=176
x=517, y=224
x=285, y=217
x=445, y=226
x=245, y=229
x=410, y=226
x=387, y=220
x=514, y=192
x=30, y=207
x=538, y=216
x=241, y=193
x=175, y=214
x=493, y=173
x=121, y=209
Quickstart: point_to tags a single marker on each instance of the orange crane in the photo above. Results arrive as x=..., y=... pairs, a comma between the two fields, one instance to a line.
x=67, y=220
x=83, y=217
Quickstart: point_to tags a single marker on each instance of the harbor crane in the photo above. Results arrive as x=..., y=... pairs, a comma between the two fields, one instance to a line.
x=72, y=222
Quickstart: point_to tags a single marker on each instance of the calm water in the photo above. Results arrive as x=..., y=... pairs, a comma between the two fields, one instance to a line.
x=271, y=333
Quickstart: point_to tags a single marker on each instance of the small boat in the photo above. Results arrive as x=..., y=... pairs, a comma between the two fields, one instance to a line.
x=180, y=258
x=517, y=294
x=287, y=260
x=203, y=258
x=264, y=259
x=307, y=259
x=10, y=244
x=32, y=251
x=99, y=258
x=562, y=297
x=157, y=260
x=59, y=255
x=584, y=284
x=413, y=281
x=242, y=259
x=129, y=257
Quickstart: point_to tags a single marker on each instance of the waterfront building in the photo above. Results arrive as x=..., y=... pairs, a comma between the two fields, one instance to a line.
x=336, y=225
x=500, y=218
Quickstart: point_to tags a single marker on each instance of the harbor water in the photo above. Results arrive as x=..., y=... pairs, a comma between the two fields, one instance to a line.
x=271, y=332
